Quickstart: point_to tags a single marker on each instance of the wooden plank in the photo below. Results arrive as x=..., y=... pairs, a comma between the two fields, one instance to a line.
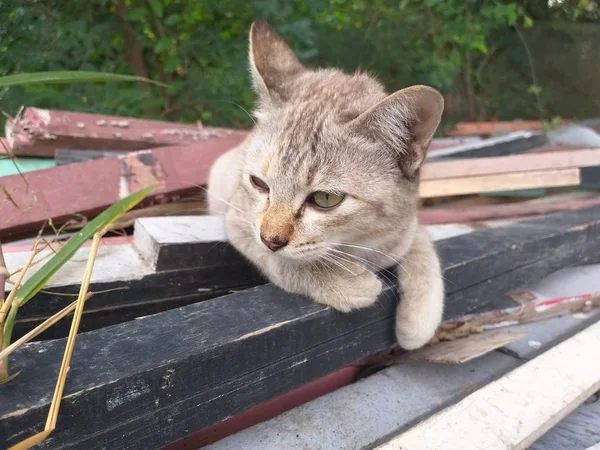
x=171, y=244
x=512, y=163
x=502, y=182
x=512, y=412
x=501, y=211
x=513, y=143
x=487, y=128
x=39, y=132
x=92, y=186
x=66, y=156
x=464, y=349
x=179, y=371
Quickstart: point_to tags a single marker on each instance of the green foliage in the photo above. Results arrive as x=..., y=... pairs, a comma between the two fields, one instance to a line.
x=466, y=48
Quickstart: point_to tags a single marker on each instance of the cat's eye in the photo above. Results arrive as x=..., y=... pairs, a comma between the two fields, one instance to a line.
x=326, y=200
x=260, y=184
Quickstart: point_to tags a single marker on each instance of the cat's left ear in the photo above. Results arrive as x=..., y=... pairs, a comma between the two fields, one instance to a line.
x=273, y=63
x=405, y=122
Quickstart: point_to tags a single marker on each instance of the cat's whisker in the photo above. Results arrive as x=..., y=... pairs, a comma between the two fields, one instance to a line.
x=387, y=255
x=383, y=270
x=337, y=263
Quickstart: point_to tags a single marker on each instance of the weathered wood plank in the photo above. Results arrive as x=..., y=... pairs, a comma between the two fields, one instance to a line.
x=148, y=382
x=513, y=143
x=437, y=170
x=512, y=412
x=39, y=132
x=500, y=182
x=487, y=128
x=63, y=157
x=171, y=244
x=501, y=211
x=38, y=197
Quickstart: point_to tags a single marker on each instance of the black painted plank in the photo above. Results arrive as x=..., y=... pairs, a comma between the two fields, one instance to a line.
x=475, y=257
x=119, y=301
x=193, y=355
x=504, y=148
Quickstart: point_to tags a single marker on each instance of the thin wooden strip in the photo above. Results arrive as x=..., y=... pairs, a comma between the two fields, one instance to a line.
x=510, y=164
x=512, y=412
x=484, y=128
x=504, y=182
x=501, y=211
x=464, y=349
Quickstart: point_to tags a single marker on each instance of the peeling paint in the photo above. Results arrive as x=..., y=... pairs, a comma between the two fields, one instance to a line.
x=80, y=125
x=138, y=170
x=101, y=123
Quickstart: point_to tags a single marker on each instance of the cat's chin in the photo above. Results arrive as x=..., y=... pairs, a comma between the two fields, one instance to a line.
x=300, y=255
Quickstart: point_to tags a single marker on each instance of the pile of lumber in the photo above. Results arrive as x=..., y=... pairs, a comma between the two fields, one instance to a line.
x=184, y=343
x=464, y=180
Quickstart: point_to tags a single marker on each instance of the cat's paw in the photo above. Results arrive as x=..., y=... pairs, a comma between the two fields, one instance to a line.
x=350, y=294
x=411, y=337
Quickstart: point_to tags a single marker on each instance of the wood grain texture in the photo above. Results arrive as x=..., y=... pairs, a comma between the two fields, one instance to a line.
x=513, y=411
x=487, y=128
x=501, y=211
x=149, y=382
x=579, y=430
x=464, y=349
x=501, y=182
x=87, y=188
x=511, y=144
x=510, y=164
x=39, y=132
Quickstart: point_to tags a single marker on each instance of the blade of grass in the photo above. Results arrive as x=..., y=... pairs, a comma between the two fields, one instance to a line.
x=32, y=286
x=41, y=328
x=66, y=362
x=69, y=76
x=41, y=277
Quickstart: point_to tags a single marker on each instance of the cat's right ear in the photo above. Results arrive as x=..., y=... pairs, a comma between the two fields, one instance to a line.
x=273, y=63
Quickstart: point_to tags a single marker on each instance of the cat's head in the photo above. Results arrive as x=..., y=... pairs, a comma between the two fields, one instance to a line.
x=333, y=158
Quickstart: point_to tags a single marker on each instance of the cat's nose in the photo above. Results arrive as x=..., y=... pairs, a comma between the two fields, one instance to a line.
x=274, y=242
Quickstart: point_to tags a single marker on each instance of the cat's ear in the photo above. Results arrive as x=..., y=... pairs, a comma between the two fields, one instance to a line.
x=404, y=122
x=272, y=62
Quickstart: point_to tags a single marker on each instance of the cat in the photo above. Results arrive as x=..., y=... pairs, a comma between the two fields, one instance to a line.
x=324, y=190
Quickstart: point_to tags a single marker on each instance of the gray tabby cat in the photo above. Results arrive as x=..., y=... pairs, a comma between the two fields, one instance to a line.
x=324, y=190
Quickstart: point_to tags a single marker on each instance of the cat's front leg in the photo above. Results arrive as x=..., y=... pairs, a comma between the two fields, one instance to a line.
x=343, y=288
x=422, y=300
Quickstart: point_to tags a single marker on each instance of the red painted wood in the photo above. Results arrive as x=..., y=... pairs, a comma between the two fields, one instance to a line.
x=39, y=132
x=267, y=410
x=506, y=211
x=27, y=201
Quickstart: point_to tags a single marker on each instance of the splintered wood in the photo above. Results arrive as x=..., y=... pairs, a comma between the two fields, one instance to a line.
x=514, y=411
x=462, y=350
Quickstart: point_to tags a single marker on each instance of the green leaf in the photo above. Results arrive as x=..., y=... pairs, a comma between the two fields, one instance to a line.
x=162, y=45
x=173, y=19
x=135, y=14
x=33, y=285
x=171, y=63
x=68, y=76
x=157, y=7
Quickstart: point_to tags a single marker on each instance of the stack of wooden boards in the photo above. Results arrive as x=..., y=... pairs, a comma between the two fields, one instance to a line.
x=103, y=158
x=170, y=354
